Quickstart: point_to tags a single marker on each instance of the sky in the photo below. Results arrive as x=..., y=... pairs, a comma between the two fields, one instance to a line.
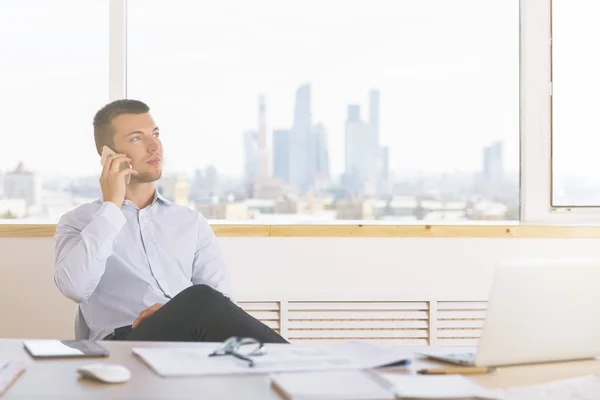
x=447, y=72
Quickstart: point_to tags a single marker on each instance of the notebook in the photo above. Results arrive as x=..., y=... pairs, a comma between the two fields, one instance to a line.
x=330, y=385
x=450, y=387
x=371, y=385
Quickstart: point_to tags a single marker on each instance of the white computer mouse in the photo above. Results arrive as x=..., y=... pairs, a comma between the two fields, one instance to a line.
x=107, y=373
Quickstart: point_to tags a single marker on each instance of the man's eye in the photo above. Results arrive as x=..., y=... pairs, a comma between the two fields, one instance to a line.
x=135, y=138
x=156, y=134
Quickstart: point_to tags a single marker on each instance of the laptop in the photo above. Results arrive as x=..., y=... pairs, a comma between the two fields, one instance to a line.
x=538, y=311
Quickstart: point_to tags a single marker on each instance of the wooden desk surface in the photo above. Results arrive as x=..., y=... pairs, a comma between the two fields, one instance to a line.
x=58, y=379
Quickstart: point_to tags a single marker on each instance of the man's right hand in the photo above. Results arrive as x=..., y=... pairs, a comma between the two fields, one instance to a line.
x=112, y=179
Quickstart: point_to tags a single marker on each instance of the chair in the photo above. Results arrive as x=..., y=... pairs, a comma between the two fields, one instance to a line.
x=82, y=331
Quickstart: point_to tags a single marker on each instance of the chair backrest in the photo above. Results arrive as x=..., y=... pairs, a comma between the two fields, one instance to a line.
x=82, y=331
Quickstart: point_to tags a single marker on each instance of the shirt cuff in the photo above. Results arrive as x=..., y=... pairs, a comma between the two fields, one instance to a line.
x=113, y=214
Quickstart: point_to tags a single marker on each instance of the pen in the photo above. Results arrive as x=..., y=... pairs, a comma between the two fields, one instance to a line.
x=456, y=370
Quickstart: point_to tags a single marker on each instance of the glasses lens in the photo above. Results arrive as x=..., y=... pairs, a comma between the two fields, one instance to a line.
x=249, y=348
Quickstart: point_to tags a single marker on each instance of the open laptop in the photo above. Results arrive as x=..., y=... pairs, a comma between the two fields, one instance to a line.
x=538, y=311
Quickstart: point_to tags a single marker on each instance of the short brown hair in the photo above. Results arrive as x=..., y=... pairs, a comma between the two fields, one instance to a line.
x=103, y=132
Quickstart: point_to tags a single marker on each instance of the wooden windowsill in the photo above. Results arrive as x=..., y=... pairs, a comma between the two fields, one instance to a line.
x=487, y=230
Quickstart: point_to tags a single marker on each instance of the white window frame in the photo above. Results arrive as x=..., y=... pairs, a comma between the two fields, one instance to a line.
x=535, y=89
x=117, y=50
x=536, y=121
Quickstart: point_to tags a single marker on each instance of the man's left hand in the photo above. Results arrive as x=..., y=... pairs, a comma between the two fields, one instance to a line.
x=145, y=314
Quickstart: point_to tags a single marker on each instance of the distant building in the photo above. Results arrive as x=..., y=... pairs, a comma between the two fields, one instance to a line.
x=354, y=208
x=263, y=154
x=296, y=206
x=272, y=189
x=493, y=163
x=176, y=188
x=251, y=157
x=281, y=154
x=384, y=170
x=23, y=184
x=228, y=211
x=211, y=181
x=322, y=153
x=302, y=158
x=361, y=162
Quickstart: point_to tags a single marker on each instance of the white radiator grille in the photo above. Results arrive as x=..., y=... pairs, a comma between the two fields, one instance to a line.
x=459, y=323
x=439, y=323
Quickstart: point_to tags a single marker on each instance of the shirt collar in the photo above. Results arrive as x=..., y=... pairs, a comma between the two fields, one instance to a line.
x=158, y=196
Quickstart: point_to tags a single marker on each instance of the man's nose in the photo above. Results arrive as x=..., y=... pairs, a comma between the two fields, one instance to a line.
x=153, y=145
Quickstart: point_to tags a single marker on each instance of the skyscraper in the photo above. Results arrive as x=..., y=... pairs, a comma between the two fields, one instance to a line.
x=384, y=170
x=263, y=155
x=493, y=163
x=353, y=113
x=281, y=154
x=322, y=159
x=374, y=115
x=303, y=157
x=361, y=166
x=251, y=157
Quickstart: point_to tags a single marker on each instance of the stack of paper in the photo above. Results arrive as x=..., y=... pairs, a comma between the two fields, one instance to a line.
x=279, y=358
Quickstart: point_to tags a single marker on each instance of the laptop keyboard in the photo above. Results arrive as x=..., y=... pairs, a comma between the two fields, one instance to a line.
x=466, y=358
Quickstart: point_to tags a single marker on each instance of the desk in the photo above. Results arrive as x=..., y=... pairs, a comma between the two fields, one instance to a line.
x=58, y=379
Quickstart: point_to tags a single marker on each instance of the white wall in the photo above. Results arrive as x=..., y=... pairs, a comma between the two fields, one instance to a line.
x=301, y=269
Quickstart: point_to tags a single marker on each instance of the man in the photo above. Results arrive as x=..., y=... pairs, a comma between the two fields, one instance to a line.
x=140, y=267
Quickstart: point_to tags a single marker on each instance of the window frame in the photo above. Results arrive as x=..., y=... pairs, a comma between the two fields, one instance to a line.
x=535, y=112
x=536, y=188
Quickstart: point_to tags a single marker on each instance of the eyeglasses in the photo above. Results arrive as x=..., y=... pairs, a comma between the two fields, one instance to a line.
x=242, y=348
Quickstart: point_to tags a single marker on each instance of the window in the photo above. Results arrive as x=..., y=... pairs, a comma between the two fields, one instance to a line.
x=53, y=77
x=272, y=111
x=575, y=104
x=322, y=111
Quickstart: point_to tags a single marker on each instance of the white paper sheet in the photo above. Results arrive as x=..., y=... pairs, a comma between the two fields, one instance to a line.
x=435, y=387
x=347, y=384
x=582, y=388
x=279, y=358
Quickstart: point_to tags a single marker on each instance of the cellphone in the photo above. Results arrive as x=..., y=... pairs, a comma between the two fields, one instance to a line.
x=106, y=152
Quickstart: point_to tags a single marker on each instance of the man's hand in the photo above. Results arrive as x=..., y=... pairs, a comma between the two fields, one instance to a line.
x=112, y=179
x=145, y=314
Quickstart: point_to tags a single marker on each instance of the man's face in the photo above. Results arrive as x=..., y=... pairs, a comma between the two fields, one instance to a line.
x=137, y=136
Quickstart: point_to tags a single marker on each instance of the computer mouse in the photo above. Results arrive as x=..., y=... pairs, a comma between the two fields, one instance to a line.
x=107, y=373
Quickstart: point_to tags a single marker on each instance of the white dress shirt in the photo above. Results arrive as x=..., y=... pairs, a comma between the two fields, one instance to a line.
x=117, y=262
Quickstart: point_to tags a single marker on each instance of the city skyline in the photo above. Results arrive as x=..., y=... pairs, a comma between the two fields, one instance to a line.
x=439, y=107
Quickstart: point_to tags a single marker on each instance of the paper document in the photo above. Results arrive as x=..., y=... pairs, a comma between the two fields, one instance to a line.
x=329, y=385
x=278, y=358
x=581, y=388
x=435, y=387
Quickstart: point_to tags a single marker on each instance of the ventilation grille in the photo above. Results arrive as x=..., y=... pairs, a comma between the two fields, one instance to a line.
x=393, y=322
x=269, y=313
x=459, y=323
x=437, y=323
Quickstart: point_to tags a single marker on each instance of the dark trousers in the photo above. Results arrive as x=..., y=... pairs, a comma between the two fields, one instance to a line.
x=198, y=314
